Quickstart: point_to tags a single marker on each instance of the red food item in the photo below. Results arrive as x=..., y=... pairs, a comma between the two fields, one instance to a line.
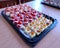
x=33, y=14
x=25, y=20
x=21, y=17
x=30, y=20
x=23, y=12
x=12, y=17
x=20, y=22
x=15, y=9
x=18, y=15
x=26, y=16
x=16, y=19
x=30, y=17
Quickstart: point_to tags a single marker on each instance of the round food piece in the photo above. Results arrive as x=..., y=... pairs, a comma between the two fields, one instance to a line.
x=30, y=25
x=12, y=14
x=48, y=22
x=30, y=17
x=25, y=20
x=15, y=22
x=25, y=9
x=27, y=30
x=16, y=9
x=16, y=19
x=25, y=23
x=7, y=13
x=8, y=9
x=32, y=34
x=26, y=16
x=17, y=12
x=30, y=20
x=21, y=17
x=18, y=15
x=20, y=22
x=21, y=10
x=38, y=31
x=33, y=14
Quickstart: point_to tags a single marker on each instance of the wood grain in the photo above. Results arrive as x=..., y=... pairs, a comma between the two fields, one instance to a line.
x=8, y=2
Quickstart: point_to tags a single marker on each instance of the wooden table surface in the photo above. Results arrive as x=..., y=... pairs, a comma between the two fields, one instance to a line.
x=10, y=39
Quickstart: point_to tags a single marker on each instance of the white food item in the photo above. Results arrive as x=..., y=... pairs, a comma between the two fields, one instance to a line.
x=13, y=7
x=11, y=14
x=27, y=30
x=7, y=13
x=17, y=12
x=29, y=9
x=26, y=9
x=32, y=28
x=32, y=34
x=29, y=25
x=38, y=33
x=17, y=9
x=48, y=21
x=40, y=30
x=21, y=10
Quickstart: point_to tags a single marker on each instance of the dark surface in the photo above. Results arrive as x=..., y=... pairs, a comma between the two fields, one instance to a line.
x=51, y=5
x=24, y=1
x=8, y=2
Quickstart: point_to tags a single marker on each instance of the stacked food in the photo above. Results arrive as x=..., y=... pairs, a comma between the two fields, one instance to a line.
x=25, y=17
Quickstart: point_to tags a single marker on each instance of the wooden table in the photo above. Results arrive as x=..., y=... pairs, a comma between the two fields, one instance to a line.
x=9, y=38
x=5, y=3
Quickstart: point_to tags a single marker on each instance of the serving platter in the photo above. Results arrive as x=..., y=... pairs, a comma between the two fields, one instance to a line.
x=52, y=3
x=30, y=24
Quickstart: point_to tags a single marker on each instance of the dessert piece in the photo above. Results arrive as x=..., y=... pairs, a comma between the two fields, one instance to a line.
x=7, y=13
x=38, y=31
x=32, y=34
x=27, y=30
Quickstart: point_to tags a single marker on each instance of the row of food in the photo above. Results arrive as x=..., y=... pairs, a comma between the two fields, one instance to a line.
x=36, y=27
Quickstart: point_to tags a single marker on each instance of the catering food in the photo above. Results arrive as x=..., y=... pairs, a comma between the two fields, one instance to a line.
x=24, y=17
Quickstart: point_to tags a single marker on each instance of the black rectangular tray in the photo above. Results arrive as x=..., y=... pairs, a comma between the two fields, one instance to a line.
x=52, y=5
x=32, y=42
